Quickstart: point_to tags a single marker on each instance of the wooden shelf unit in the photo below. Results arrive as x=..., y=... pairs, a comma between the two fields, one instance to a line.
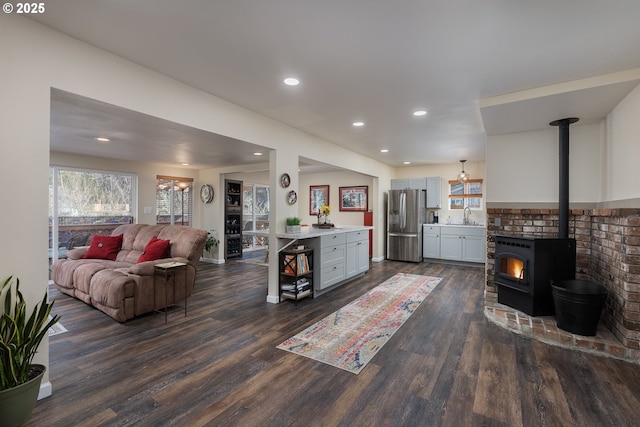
x=296, y=274
x=233, y=218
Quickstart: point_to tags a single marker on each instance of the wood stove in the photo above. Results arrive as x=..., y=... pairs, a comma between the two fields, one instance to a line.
x=525, y=266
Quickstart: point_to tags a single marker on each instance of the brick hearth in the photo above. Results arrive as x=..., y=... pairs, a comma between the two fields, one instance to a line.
x=608, y=252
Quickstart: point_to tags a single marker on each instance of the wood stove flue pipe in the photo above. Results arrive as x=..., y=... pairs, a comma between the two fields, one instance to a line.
x=563, y=208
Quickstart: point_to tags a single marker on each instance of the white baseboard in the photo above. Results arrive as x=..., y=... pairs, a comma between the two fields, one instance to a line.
x=377, y=259
x=273, y=299
x=45, y=390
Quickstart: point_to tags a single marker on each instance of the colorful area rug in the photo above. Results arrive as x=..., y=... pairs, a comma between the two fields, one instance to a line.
x=350, y=337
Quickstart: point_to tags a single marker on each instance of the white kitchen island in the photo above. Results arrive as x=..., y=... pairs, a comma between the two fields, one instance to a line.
x=340, y=254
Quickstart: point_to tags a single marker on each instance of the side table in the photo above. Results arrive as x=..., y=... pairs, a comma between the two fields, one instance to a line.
x=166, y=271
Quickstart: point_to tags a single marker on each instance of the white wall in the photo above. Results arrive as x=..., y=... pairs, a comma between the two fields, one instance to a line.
x=523, y=167
x=35, y=59
x=622, y=150
x=334, y=180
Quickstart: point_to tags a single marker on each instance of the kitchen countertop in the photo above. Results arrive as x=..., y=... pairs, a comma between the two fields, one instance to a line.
x=309, y=232
x=458, y=225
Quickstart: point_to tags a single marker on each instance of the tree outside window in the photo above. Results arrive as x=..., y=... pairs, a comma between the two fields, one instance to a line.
x=174, y=200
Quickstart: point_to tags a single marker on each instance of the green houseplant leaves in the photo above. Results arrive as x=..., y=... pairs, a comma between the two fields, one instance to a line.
x=20, y=335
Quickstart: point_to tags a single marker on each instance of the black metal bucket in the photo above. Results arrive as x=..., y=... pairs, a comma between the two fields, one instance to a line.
x=578, y=305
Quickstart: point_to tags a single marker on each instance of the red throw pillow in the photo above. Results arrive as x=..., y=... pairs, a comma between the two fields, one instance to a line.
x=155, y=249
x=104, y=247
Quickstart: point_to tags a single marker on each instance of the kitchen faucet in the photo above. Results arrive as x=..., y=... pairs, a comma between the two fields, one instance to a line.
x=466, y=215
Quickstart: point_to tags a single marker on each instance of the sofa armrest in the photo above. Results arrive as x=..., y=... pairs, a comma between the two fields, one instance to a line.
x=146, y=268
x=77, y=253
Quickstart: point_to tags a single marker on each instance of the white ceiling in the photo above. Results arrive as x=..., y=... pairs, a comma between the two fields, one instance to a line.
x=478, y=67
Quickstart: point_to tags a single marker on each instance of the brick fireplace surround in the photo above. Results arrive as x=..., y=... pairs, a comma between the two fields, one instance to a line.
x=608, y=252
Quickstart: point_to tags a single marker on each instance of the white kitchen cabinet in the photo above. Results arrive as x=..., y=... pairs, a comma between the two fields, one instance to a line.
x=399, y=184
x=357, y=253
x=410, y=183
x=450, y=246
x=433, y=192
x=473, y=248
x=332, y=253
x=462, y=243
x=338, y=257
x=431, y=241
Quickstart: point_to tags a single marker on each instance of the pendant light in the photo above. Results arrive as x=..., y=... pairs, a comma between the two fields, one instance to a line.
x=463, y=176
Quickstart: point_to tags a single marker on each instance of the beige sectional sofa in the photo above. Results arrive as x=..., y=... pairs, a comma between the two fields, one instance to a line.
x=124, y=288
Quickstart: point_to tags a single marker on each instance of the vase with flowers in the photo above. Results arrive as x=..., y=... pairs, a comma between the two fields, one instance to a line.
x=325, y=210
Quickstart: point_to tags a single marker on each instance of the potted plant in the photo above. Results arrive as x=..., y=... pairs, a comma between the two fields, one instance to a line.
x=20, y=337
x=212, y=240
x=293, y=225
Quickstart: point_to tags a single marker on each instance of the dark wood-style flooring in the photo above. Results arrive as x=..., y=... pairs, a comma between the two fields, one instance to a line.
x=446, y=366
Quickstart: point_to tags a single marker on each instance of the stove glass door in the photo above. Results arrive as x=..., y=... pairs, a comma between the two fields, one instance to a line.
x=513, y=268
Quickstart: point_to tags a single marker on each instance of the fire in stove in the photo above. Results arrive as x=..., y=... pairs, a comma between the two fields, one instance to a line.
x=512, y=267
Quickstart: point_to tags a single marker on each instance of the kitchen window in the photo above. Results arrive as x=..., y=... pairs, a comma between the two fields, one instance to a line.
x=463, y=195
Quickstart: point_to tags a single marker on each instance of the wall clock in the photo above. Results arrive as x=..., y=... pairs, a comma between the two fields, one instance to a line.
x=206, y=193
x=285, y=180
x=292, y=197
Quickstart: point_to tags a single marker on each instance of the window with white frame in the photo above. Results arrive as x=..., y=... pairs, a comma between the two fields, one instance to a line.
x=255, y=214
x=84, y=202
x=467, y=194
x=174, y=200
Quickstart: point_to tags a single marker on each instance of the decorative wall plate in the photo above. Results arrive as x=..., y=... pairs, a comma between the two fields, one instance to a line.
x=292, y=197
x=206, y=193
x=285, y=180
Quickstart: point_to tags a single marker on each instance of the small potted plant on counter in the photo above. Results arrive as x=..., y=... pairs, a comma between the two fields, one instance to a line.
x=20, y=337
x=293, y=225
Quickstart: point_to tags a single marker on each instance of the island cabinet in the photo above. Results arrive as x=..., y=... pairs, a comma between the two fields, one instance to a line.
x=462, y=244
x=357, y=252
x=333, y=251
x=338, y=258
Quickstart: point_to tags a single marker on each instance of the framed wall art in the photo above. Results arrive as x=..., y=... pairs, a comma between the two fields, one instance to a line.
x=354, y=199
x=318, y=196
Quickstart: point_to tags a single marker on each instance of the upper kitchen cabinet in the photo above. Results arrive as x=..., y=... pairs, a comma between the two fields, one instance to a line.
x=411, y=183
x=433, y=192
x=431, y=184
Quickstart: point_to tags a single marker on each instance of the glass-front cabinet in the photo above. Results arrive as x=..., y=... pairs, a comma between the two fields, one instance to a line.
x=233, y=218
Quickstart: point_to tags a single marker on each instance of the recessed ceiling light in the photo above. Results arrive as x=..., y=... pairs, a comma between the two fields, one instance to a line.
x=102, y=139
x=384, y=150
x=406, y=163
x=358, y=124
x=257, y=153
x=184, y=164
x=419, y=113
x=291, y=81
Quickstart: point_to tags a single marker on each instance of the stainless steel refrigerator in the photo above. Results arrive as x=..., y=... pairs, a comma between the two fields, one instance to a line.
x=404, y=225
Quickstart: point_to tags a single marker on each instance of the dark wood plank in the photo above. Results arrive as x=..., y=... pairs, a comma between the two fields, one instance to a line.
x=220, y=366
